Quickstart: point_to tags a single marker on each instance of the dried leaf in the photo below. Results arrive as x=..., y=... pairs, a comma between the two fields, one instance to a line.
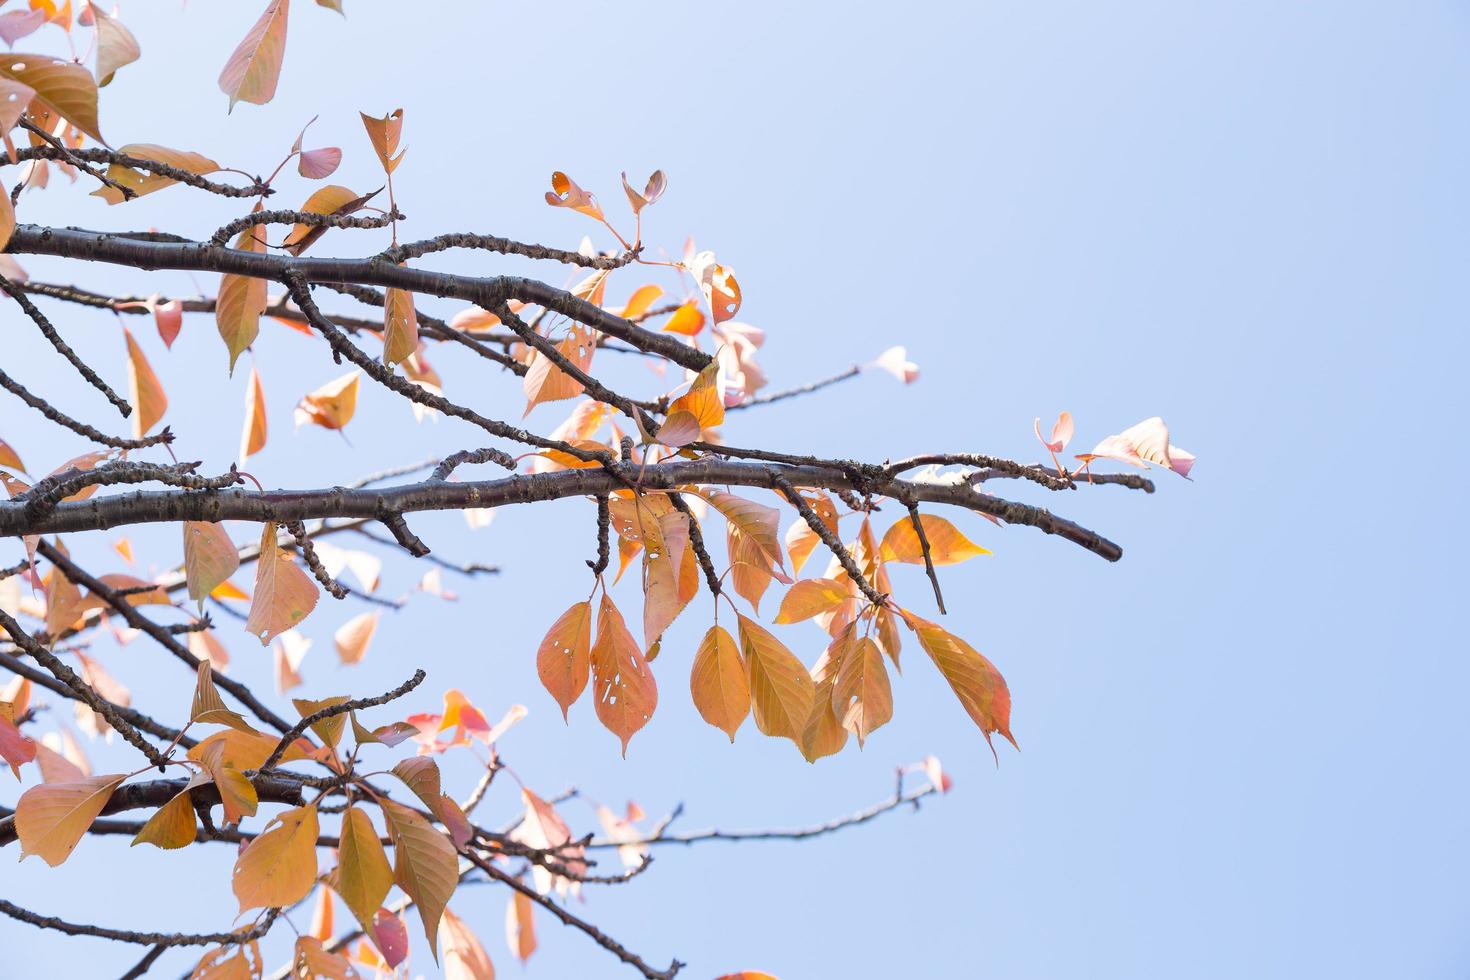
x=116, y=45
x=654, y=190
x=171, y=826
x=565, y=193
x=861, y=695
x=520, y=927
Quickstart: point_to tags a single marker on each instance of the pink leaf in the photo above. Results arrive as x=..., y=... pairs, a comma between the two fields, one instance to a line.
x=1061, y=433
x=1147, y=442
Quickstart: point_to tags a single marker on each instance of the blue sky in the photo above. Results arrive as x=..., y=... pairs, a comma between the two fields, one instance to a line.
x=1242, y=745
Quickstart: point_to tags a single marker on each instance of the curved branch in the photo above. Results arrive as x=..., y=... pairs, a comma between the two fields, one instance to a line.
x=144, y=507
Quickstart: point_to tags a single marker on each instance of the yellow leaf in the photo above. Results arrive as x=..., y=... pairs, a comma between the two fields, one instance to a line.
x=861, y=694
x=974, y=679
x=811, y=597
x=947, y=546
x=718, y=683
x=562, y=660
x=241, y=300
x=363, y=875
x=172, y=825
x=464, y=957
x=520, y=928
x=624, y=691
x=425, y=864
x=332, y=405
x=8, y=457
x=244, y=750
x=400, y=326
x=781, y=690
x=352, y=637
x=278, y=868
x=252, y=439
x=51, y=818
x=284, y=594
x=251, y=73
x=65, y=88
x=210, y=558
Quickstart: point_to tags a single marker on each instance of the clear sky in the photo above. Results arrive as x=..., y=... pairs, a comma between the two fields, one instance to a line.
x=1243, y=745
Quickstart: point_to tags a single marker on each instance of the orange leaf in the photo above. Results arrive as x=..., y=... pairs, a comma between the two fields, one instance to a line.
x=144, y=390
x=252, y=439
x=654, y=190
x=562, y=659
x=332, y=405
x=400, y=326
x=142, y=182
x=172, y=825
x=861, y=694
x=352, y=637
x=251, y=73
x=384, y=133
x=624, y=691
x=284, y=594
x=781, y=690
x=363, y=875
x=811, y=597
x=823, y=734
x=565, y=193
x=947, y=545
x=331, y=199
x=974, y=679
x=687, y=320
x=464, y=957
x=425, y=864
x=545, y=382
x=520, y=929
x=312, y=959
x=696, y=410
x=241, y=299
x=51, y=818
x=279, y=866
x=64, y=88
x=210, y=558
x=718, y=682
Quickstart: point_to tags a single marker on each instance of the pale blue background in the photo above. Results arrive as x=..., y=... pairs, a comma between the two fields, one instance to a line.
x=1243, y=745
